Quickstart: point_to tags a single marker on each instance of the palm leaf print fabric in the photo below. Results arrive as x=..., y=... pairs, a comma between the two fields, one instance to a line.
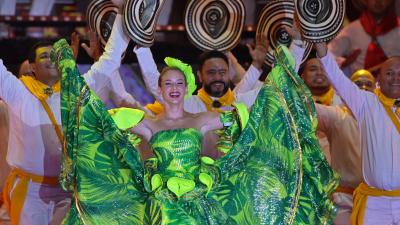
x=275, y=173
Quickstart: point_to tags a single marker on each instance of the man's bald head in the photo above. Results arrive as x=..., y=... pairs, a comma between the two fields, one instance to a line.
x=389, y=77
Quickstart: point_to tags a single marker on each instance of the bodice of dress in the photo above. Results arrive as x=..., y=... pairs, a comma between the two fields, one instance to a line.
x=177, y=152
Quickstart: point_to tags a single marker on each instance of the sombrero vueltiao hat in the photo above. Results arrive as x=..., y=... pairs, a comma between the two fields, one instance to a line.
x=140, y=17
x=100, y=16
x=273, y=18
x=320, y=20
x=214, y=24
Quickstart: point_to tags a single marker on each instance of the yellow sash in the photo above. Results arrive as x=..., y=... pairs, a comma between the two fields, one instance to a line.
x=19, y=191
x=360, y=197
x=325, y=99
x=155, y=108
x=388, y=103
x=38, y=89
x=42, y=92
x=226, y=100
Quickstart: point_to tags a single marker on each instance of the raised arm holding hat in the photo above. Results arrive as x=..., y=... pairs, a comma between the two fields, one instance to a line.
x=377, y=201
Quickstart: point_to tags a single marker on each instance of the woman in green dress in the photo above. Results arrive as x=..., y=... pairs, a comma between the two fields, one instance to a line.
x=273, y=173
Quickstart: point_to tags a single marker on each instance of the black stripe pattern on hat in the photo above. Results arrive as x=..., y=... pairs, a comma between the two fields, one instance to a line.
x=140, y=18
x=320, y=20
x=273, y=17
x=214, y=24
x=100, y=15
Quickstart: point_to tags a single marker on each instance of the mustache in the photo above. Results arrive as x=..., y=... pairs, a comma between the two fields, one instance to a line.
x=217, y=82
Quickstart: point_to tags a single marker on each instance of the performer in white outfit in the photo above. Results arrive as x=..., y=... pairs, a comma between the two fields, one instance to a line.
x=371, y=38
x=377, y=201
x=33, y=194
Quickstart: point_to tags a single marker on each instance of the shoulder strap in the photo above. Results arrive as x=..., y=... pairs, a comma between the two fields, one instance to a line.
x=57, y=128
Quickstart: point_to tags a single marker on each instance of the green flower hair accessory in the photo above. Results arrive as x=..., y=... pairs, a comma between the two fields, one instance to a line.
x=187, y=72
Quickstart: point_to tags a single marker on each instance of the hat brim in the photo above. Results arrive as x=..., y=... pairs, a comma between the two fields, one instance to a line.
x=273, y=18
x=100, y=15
x=140, y=18
x=320, y=20
x=213, y=24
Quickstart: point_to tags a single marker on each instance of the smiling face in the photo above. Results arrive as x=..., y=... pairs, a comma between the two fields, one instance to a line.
x=389, y=78
x=214, y=75
x=315, y=77
x=172, y=86
x=42, y=67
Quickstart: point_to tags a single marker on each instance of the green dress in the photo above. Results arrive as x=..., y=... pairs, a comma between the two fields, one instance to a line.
x=274, y=172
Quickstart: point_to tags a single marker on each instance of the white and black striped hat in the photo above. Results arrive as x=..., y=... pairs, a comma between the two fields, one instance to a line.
x=214, y=24
x=320, y=20
x=273, y=18
x=140, y=18
x=100, y=16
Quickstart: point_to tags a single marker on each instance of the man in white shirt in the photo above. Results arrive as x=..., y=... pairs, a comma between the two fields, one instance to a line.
x=370, y=39
x=341, y=128
x=377, y=201
x=33, y=194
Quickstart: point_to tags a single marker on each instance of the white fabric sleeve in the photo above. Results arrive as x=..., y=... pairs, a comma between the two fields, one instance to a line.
x=119, y=95
x=344, y=87
x=101, y=71
x=149, y=70
x=12, y=90
x=340, y=46
x=298, y=53
x=249, y=81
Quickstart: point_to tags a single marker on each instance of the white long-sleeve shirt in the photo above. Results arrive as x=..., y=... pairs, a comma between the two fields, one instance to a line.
x=33, y=143
x=244, y=92
x=380, y=140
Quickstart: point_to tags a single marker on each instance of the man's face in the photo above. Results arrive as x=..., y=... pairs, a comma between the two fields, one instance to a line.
x=389, y=78
x=215, y=77
x=365, y=84
x=314, y=74
x=378, y=7
x=43, y=68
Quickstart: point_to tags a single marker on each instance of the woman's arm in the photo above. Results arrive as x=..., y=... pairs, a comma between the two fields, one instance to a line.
x=143, y=130
x=210, y=121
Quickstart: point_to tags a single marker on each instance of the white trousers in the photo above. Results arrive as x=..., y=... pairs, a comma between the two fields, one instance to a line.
x=44, y=204
x=382, y=211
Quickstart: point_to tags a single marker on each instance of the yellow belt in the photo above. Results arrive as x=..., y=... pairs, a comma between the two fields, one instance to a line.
x=15, y=202
x=360, y=200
